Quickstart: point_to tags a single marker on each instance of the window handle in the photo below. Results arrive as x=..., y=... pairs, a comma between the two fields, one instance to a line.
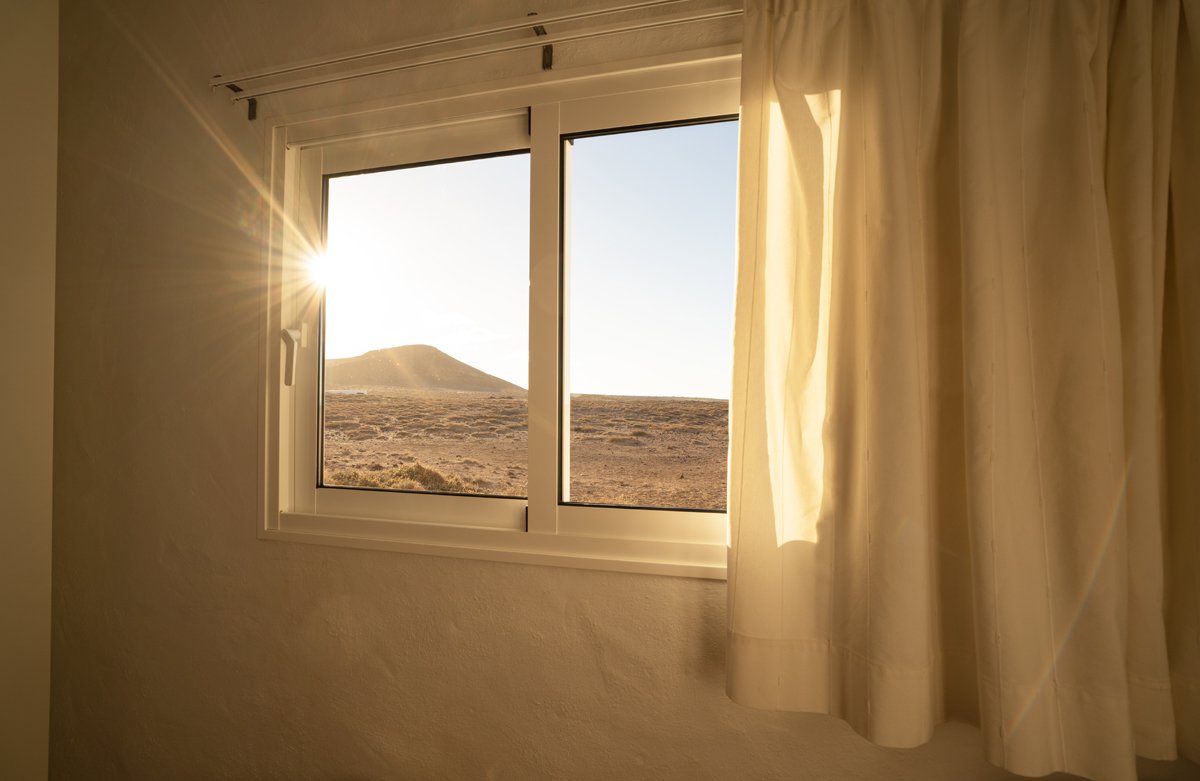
x=293, y=339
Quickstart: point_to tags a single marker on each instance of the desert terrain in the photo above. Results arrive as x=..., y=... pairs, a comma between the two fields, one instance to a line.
x=410, y=434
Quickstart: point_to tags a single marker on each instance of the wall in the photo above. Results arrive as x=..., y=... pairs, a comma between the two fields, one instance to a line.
x=186, y=648
x=28, y=121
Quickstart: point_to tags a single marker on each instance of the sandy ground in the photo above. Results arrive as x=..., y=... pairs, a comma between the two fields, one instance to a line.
x=628, y=450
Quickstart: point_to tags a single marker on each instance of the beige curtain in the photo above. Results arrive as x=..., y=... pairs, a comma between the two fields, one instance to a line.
x=965, y=458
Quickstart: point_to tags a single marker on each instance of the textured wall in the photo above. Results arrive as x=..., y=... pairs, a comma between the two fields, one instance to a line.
x=28, y=118
x=186, y=648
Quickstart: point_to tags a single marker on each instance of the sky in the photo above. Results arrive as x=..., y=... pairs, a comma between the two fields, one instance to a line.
x=439, y=255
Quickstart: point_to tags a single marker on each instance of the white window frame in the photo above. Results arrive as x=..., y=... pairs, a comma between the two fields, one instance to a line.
x=536, y=114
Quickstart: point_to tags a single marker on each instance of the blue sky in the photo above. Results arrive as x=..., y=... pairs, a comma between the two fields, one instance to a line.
x=440, y=255
x=651, y=253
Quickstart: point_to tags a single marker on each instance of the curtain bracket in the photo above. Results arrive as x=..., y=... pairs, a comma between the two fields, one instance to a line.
x=548, y=49
x=251, y=103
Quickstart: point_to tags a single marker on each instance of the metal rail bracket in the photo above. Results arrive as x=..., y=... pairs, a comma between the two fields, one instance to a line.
x=251, y=103
x=548, y=49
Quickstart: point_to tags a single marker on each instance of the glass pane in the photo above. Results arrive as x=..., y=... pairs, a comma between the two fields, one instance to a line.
x=650, y=254
x=426, y=328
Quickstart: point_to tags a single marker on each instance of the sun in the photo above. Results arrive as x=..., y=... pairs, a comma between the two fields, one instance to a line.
x=321, y=270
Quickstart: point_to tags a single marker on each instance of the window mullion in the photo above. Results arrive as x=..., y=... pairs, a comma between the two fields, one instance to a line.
x=544, y=318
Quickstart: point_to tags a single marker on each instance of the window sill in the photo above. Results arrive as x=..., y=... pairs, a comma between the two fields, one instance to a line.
x=681, y=559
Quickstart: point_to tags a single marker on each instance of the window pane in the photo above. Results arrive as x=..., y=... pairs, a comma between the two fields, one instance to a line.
x=650, y=263
x=426, y=328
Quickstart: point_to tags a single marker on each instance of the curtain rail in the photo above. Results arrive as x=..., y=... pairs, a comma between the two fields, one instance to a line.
x=244, y=92
x=522, y=23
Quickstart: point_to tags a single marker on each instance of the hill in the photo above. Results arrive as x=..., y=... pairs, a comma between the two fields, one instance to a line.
x=415, y=366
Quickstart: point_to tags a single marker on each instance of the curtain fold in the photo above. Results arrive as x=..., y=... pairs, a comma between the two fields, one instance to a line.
x=966, y=404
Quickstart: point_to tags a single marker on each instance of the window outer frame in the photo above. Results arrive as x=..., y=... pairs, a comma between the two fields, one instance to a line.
x=302, y=151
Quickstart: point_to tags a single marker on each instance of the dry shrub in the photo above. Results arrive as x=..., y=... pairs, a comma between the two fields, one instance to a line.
x=412, y=477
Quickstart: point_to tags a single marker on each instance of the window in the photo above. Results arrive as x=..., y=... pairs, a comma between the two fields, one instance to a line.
x=648, y=258
x=426, y=361
x=500, y=323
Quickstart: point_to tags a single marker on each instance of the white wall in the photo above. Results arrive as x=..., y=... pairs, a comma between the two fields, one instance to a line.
x=28, y=123
x=186, y=648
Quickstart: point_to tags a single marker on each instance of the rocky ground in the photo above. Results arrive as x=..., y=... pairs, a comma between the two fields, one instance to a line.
x=627, y=450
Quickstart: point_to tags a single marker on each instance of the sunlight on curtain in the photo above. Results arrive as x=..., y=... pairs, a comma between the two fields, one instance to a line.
x=797, y=451
x=965, y=428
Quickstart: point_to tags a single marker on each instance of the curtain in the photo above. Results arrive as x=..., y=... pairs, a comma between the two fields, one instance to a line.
x=965, y=423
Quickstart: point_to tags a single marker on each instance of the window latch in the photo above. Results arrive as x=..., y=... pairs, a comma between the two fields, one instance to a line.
x=293, y=339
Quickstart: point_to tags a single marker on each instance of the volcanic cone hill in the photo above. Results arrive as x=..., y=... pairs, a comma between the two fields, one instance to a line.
x=414, y=366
